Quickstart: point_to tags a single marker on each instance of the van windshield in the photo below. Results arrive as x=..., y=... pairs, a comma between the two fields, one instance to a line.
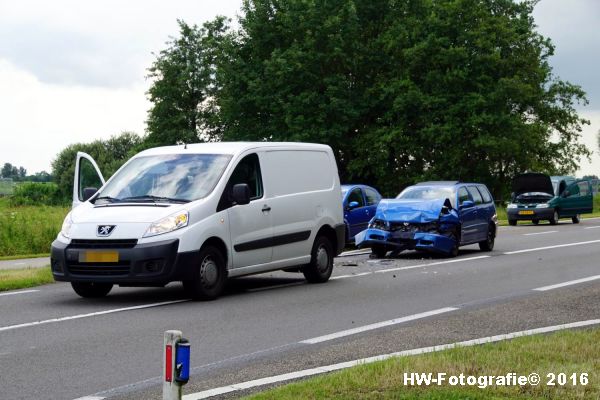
x=177, y=178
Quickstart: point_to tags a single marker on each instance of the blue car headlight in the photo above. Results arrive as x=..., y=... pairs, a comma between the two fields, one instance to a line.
x=380, y=224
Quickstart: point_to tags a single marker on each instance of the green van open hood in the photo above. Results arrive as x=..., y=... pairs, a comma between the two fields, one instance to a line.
x=532, y=182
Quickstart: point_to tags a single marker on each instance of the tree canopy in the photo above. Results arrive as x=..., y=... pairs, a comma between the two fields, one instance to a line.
x=403, y=90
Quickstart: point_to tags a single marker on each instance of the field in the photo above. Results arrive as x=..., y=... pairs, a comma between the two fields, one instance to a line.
x=6, y=188
x=567, y=352
x=12, y=279
x=28, y=229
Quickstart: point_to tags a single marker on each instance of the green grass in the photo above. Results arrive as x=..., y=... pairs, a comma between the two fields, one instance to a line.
x=6, y=188
x=11, y=279
x=564, y=352
x=27, y=230
x=22, y=256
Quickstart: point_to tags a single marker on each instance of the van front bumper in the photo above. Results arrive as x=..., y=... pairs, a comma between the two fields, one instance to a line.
x=529, y=214
x=399, y=241
x=149, y=264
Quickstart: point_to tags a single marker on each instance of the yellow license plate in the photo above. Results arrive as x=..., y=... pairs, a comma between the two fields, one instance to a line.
x=526, y=212
x=98, y=256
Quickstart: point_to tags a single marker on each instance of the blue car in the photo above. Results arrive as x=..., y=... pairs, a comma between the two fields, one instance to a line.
x=359, y=203
x=433, y=216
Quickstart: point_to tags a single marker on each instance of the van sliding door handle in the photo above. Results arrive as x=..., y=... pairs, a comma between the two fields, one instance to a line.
x=266, y=208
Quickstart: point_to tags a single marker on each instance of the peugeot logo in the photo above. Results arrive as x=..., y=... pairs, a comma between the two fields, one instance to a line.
x=105, y=230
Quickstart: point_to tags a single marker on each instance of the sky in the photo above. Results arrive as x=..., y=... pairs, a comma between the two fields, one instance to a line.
x=74, y=71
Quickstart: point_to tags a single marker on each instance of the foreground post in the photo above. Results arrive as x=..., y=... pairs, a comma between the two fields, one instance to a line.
x=176, y=364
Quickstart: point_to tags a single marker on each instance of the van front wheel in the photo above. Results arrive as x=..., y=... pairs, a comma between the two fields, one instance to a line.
x=91, y=289
x=321, y=261
x=209, y=276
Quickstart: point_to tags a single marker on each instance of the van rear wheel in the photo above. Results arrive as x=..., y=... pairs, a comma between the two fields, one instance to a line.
x=208, y=278
x=321, y=261
x=91, y=289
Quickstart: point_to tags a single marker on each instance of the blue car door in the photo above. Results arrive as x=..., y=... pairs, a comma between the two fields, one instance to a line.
x=481, y=225
x=468, y=216
x=357, y=215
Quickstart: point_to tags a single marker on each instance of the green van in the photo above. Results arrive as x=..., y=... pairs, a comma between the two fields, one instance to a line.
x=538, y=197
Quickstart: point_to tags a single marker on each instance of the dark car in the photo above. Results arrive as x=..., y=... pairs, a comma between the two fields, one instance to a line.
x=433, y=216
x=538, y=197
x=359, y=203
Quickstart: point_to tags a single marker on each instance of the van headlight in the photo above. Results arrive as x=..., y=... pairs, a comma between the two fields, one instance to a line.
x=511, y=205
x=168, y=224
x=543, y=205
x=66, y=226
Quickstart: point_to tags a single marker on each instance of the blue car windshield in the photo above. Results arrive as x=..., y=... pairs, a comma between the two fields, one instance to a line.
x=165, y=177
x=428, y=193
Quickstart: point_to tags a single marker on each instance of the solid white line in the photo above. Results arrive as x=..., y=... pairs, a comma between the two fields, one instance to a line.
x=538, y=233
x=569, y=283
x=592, y=227
x=377, y=325
x=335, y=367
x=556, y=246
x=94, y=314
x=455, y=260
x=19, y=292
x=351, y=275
x=90, y=398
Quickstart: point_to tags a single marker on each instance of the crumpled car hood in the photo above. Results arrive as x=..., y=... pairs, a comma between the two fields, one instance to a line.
x=421, y=211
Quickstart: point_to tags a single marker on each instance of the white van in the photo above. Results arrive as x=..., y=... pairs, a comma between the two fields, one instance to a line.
x=201, y=213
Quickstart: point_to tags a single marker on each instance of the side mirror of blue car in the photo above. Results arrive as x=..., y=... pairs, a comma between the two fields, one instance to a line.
x=352, y=205
x=467, y=204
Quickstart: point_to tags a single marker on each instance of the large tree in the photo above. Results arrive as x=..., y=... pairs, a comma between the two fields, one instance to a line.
x=109, y=154
x=183, y=85
x=402, y=90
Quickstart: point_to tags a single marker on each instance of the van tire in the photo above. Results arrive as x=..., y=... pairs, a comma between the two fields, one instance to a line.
x=209, y=276
x=554, y=219
x=321, y=261
x=512, y=222
x=576, y=218
x=91, y=290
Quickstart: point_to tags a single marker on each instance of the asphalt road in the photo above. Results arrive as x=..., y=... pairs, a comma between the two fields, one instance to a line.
x=56, y=345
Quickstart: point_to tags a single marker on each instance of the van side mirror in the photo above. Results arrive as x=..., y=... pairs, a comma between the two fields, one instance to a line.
x=467, y=204
x=88, y=192
x=241, y=194
x=352, y=205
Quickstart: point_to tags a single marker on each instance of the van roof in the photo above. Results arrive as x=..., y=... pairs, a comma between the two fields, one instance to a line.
x=231, y=147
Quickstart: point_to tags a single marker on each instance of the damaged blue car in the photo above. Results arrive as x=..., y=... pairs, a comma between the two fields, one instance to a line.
x=433, y=216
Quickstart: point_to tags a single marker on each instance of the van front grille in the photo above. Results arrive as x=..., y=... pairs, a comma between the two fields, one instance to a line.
x=102, y=243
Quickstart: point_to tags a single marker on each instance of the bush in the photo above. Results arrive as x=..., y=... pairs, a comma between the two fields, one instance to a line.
x=36, y=193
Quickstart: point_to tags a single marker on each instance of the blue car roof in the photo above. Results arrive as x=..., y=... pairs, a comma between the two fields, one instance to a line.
x=438, y=183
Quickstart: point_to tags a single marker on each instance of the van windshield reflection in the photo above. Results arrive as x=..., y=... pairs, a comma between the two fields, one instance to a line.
x=166, y=178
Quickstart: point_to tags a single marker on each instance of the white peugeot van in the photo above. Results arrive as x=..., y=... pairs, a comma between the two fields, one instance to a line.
x=201, y=213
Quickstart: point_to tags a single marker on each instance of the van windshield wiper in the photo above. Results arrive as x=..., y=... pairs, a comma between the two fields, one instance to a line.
x=155, y=199
x=107, y=198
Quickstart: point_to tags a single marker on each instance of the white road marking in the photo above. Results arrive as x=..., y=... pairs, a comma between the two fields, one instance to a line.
x=350, y=275
x=568, y=283
x=94, y=314
x=19, y=292
x=423, y=350
x=455, y=260
x=90, y=398
x=592, y=227
x=551, y=247
x=539, y=233
x=377, y=325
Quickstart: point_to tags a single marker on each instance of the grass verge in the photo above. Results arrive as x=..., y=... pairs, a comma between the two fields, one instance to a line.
x=28, y=229
x=565, y=352
x=11, y=279
x=22, y=256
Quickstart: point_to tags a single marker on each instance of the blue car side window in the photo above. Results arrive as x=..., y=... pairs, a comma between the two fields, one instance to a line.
x=463, y=195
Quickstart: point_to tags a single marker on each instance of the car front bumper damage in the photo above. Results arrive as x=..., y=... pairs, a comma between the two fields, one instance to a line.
x=399, y=241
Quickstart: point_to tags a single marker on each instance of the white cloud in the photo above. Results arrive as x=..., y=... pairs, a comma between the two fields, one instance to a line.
x=40, y=119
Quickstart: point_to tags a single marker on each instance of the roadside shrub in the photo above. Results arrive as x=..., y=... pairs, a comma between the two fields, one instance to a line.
x=35, y=193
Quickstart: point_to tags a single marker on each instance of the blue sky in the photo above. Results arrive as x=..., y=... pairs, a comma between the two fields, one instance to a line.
x=73, y=71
